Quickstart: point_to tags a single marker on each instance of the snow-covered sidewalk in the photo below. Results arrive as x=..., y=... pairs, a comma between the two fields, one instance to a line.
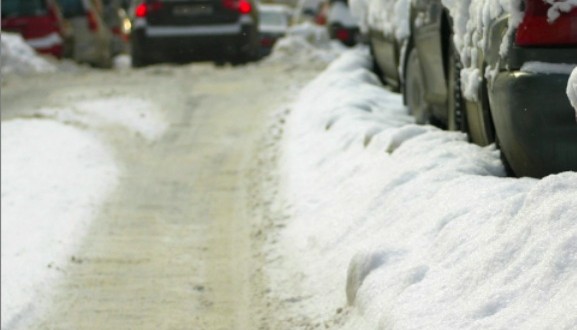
x=413, y=226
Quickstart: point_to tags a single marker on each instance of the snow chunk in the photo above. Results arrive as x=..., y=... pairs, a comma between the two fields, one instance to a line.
x=547, y=68
x=19, y=57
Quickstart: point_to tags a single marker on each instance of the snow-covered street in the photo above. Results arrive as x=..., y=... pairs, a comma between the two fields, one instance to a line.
x=283, y=194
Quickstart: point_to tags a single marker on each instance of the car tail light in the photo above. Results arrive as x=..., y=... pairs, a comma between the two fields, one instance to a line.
x=92, y=22
x=343, y=34
x=144, y=9
x=242, y=6
x=536, y=30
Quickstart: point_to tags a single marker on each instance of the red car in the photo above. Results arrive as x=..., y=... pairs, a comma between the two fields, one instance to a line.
x=40, y=23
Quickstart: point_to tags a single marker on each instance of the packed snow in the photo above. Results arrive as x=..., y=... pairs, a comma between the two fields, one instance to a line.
x=414, y=226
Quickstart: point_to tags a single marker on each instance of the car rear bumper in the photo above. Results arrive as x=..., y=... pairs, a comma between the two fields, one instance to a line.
x=534, y=122
x=194, y=42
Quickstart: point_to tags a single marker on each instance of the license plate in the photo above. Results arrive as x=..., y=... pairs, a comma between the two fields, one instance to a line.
x=192, y=10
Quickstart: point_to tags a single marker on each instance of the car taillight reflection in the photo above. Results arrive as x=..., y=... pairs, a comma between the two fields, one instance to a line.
x=536, y=30
x=267, y=41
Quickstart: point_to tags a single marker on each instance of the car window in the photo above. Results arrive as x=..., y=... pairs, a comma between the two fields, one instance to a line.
x=72, y=8
x=23, y=8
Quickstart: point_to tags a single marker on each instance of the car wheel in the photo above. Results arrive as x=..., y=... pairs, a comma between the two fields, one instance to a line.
x=376, y=68
x=506, y=164
x=456, y=120
x=414, y=88
x=137, y=55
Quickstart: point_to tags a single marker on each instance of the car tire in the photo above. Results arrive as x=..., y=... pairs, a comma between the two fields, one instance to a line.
x=456, y=120
x=414, y=88
x=376, y=68
x=504, y=159
x=137, y=54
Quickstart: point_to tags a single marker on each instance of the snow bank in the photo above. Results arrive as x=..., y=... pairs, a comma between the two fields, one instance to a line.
x=54, y=178
x=17, y=57
x=389, y=16
x=414, y=226
x=306, y=42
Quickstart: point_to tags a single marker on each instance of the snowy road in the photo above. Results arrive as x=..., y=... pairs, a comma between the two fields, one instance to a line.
x=170, y=247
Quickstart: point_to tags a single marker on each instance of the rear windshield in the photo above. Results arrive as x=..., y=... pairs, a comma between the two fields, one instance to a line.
x=72, y=8
x=12, y=8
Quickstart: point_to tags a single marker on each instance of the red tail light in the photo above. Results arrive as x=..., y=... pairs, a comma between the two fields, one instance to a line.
x=144, y=9
x=242, y=6
x=92, y=22
x=536, y=30
x=343, y=35
x=141, y=10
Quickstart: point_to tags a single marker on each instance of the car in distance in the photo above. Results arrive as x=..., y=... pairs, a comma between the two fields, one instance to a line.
x=273, y=25
x=341, y=23
x=186, y=30
x=41, y=25
x=93, y=39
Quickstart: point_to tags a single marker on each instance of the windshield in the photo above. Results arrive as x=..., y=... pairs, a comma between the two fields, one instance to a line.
x=23, y=8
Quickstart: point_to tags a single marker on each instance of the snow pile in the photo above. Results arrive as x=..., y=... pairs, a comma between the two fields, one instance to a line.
x=390, y=16
x=17, y=57
x=306, y=42
x=135, y=115
x=572, y=90
x=414, y=226
x=54, y=178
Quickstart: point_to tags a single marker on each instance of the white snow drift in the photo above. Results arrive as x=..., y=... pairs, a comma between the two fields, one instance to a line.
x=415, y=226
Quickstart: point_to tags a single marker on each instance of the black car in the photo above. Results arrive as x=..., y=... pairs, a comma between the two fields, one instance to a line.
x=516, y=101
x=188, y=30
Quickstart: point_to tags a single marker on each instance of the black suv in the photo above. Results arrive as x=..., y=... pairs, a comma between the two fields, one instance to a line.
x=188, y=30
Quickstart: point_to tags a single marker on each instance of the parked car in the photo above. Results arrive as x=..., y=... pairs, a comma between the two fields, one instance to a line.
x=115, y=16
x=273, y=25
x=498, y=82
x=341, y=23
x=223, y=30
x=93, y=40
x=40, y=23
